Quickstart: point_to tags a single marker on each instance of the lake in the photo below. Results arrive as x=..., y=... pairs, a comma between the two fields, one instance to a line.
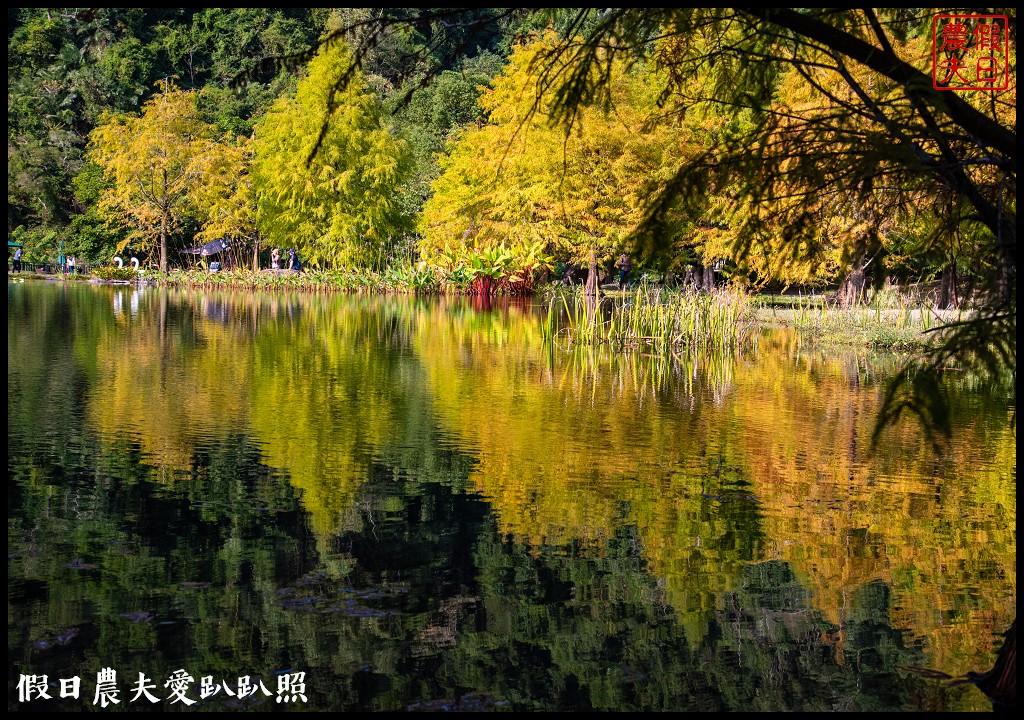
x=241, y=501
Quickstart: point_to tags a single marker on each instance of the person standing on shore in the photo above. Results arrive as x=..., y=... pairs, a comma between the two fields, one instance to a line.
x=625, y=265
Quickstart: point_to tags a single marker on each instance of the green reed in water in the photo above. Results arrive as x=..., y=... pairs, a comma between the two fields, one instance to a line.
x=891, y=320
x=654, y=318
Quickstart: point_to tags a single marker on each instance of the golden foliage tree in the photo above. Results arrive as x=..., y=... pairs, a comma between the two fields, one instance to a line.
x=521, y=178
x=227, y=201
x=154, y=162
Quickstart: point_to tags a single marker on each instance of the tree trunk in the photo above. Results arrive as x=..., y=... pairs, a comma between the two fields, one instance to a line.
x=163, y=243
x=853, y=288
x=708, y=278
x=1006, y=280
x=592, y=285
x=689, y=279
x=256, y=255
x=947, y=290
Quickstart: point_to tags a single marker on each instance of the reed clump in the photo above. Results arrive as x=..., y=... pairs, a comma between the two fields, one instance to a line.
x=653, y=318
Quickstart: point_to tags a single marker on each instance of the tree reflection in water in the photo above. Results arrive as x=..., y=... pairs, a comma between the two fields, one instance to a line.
x=423, y=506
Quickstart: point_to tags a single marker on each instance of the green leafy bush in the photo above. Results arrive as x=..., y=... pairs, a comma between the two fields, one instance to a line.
x=110, y=272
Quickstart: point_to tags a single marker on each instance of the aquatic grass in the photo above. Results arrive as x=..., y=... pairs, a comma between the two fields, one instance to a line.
x=684, y=371
x=112, y=273
x=484, y=273
x=893, y=320
x=654, y=318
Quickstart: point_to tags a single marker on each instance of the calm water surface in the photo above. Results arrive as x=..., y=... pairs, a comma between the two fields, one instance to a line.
x=419, y=505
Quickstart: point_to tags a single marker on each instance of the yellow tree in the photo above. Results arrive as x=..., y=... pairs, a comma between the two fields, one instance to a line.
x=327, y=170
x=227, y=201
x=153, y=161
x=807, y=226
x=520, y=177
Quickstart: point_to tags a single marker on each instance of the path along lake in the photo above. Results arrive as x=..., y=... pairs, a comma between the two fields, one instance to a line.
x=355, y=502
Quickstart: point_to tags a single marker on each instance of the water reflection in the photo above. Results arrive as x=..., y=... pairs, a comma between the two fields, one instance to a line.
x=419, y=501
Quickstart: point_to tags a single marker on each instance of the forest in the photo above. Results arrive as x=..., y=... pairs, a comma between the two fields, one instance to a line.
x=479, y=150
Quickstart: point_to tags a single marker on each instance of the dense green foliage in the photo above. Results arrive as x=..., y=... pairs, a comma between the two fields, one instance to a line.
x=68, y=66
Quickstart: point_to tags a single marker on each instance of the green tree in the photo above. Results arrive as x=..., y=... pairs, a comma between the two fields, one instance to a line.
x=326, y=168
x=435, y=114
x=44, y=143
x=67, y=67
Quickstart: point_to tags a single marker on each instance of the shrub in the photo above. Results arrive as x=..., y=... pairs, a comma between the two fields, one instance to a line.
x=110, y=272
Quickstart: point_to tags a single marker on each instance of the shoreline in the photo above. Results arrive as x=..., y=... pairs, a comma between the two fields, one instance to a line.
x=902, y=327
